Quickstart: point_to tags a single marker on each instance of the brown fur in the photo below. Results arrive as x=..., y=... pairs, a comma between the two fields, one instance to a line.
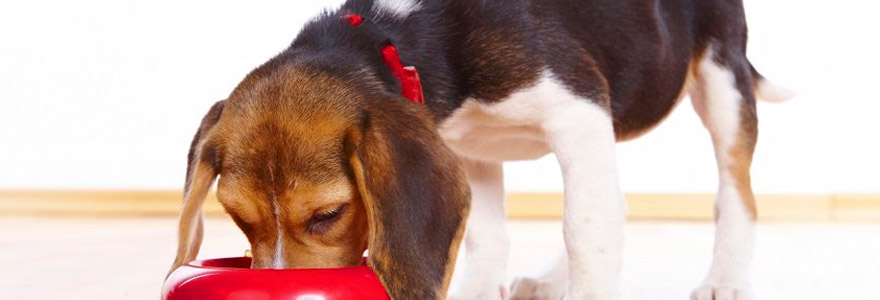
x=300, y=142
x=320, y=126
x=500, y=63
x=397, y=157
x=743, y=148
x=741, y=156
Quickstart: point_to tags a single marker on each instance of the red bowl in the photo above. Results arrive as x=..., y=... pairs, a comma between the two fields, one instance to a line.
x=233, y=279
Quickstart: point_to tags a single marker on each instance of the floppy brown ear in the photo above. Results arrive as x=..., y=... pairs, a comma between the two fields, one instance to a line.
x=201, y=170
x=416, y=198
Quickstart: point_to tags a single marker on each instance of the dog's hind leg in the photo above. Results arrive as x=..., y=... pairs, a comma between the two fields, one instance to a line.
x=724, y=98
x=486, y=241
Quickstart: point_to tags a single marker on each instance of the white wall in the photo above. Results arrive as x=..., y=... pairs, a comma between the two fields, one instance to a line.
x=107, y=94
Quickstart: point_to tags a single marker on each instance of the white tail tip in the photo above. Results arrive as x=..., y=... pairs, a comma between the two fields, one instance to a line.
x=770, y=92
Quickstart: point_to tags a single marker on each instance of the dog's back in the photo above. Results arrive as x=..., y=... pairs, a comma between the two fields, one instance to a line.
x=510, y=80
x=638, y=52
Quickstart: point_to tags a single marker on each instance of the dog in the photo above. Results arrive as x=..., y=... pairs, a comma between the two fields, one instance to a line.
x=374, y=129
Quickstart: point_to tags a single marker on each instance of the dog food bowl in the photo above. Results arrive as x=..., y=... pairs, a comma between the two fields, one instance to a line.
x=233, y=279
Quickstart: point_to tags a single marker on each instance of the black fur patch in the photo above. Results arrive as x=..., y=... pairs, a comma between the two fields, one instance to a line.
x=630, y=56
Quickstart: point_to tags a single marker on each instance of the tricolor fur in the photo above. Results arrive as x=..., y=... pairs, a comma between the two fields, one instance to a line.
x=503, y=80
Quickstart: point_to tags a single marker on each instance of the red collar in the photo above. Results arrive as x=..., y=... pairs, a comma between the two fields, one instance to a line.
x=408, y=76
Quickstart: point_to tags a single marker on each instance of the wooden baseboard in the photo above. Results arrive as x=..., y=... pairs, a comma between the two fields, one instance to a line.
x=687, y=207
x=699, y=207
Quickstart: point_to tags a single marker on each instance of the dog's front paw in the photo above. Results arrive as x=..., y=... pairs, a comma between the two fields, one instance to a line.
x=723, y=292
x=480, y=292
x=536, y=289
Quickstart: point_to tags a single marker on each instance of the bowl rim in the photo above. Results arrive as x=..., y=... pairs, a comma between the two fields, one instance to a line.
x=200, y=264
x=196, y=277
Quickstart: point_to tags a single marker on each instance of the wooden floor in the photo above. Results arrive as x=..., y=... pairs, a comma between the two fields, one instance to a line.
x=126, y=258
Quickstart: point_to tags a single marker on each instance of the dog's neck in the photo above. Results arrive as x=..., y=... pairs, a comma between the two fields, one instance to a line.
x=331, y=43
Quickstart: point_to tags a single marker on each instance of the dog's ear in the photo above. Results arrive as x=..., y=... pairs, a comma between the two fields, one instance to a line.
x=416, y=198
x=201, y=170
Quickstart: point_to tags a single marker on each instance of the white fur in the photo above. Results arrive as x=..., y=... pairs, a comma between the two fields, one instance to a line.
x=548, y=117
x=278, y=260
x=507, y=130
x=486, y=242
x=397, y=8
x=278, y=257
x=717, y=101
x=582, y=137
x=550, y=285
x=770, y=92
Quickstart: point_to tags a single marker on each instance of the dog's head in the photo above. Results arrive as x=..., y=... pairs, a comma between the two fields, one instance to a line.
x=315, y=168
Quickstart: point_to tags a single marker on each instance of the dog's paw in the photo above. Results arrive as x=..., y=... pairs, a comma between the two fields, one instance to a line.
x=499, y=292
x=536, y=289
x=723, y=292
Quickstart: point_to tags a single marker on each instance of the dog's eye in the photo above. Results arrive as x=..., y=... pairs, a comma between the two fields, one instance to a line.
x=327, y=215
x=322, y=221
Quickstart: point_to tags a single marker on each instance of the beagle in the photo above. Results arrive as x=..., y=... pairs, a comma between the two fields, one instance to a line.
x=382, y=119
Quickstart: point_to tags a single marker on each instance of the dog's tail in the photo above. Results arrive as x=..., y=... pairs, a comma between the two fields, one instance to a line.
x=767, y=91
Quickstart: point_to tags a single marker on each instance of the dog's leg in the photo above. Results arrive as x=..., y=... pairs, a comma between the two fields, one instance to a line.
x=486, y=241
x=550, y=285
x=725, y=101
x=581, y=134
